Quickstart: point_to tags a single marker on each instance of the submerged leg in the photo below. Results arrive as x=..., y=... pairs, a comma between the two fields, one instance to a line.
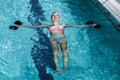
x=55, y=53
x=65, y=60
x=63, y=44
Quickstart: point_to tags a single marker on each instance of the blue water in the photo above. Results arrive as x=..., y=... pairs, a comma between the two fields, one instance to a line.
x=25, y=54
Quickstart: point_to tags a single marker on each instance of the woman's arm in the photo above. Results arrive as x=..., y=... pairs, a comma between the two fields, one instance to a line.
x=88, y=23
x=77, y=26
x=41, y=26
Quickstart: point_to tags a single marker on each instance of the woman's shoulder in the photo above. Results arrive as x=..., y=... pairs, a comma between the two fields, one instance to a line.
x=62, y=25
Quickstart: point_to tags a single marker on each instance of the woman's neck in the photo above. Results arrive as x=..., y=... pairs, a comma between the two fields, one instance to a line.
x=55, y=23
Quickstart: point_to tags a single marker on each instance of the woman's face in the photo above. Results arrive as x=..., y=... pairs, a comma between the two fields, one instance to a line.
x=55, y=17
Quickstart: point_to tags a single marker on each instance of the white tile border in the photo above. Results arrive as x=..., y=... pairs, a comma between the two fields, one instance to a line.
x=113, y=6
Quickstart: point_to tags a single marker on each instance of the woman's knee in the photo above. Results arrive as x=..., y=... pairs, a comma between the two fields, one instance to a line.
x=65, y=57
x=55, y=49
x=64, y=49
x=65, y=53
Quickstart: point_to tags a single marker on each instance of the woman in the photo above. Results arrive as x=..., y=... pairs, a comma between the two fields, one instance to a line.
x=57, y=37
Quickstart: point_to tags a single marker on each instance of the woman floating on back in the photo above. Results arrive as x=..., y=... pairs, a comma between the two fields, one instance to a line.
x=57, y=37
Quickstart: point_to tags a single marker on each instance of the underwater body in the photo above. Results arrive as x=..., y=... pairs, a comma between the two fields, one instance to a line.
x=26, y=54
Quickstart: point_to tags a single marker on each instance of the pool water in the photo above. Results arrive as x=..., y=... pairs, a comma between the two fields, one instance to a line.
x=26, y=54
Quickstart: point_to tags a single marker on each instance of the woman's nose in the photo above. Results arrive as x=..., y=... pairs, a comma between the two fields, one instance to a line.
x=55, y=16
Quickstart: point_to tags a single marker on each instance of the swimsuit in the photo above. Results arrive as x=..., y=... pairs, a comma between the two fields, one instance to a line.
x=57, y=39
x=54, y=30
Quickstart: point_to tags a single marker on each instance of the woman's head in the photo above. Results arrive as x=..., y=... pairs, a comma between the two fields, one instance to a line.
x=55, y=17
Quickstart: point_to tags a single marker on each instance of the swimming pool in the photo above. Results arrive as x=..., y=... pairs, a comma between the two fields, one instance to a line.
x=25, y=53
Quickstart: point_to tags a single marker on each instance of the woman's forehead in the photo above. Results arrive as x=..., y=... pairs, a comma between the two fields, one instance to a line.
x=55, y=13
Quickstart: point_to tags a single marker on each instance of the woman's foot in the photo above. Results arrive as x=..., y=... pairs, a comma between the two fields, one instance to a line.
x=58, y=71
x=65, y=69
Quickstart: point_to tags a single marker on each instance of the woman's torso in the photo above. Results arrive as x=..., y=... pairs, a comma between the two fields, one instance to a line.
x=56, y=30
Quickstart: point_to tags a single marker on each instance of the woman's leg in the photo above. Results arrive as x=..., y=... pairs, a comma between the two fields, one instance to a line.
x=55, y=53
x=63, y=44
